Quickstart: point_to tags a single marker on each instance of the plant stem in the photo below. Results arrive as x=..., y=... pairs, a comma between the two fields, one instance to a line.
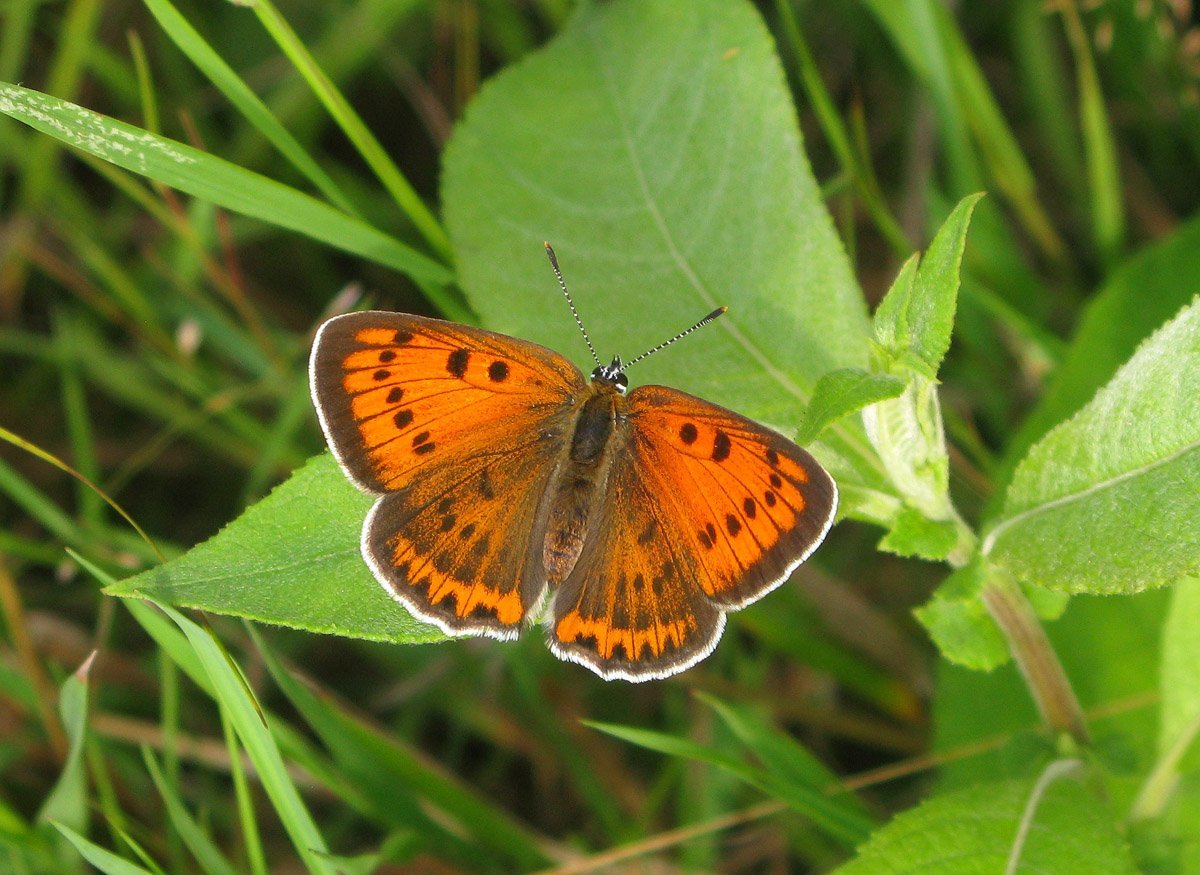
x=1035, y=657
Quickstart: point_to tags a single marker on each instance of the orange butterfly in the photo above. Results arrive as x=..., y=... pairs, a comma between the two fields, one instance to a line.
x=504, y=474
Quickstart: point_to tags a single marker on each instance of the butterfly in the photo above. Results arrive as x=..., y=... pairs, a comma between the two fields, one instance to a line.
x=504, y=476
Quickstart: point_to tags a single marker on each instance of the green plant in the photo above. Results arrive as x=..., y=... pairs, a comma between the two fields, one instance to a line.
x=657, y=146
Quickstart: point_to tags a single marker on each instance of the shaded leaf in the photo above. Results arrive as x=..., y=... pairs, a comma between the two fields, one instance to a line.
x=665, y=166
x=914, y=534
x=959, y=623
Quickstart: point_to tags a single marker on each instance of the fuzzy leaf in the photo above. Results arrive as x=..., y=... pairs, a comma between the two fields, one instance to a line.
x=842, y=392
x=918, y=313
x=974, y=830
x=1109, y=501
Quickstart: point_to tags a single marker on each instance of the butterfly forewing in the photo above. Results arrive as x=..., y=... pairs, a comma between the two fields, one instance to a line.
x=705, y=512
x=400, y=394
x=459, y=429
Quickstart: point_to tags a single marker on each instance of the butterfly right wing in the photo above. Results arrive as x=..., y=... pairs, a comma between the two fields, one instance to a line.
x=460, y=429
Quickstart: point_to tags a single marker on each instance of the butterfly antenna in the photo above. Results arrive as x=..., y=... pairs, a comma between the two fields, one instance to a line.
x=562, y=285
x=709, y=318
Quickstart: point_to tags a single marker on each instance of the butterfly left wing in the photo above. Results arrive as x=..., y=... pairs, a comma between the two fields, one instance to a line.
x=705, y=512
x=458, y=429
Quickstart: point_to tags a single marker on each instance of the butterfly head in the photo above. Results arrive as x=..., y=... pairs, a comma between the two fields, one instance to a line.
x=612, y=375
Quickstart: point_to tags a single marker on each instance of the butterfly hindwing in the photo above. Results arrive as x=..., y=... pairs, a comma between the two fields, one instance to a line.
x=706, y=511
x=459, y=429
x=463, y=555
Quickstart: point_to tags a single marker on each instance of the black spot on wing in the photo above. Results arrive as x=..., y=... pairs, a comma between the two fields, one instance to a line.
x=456, y=362
x=721, y=447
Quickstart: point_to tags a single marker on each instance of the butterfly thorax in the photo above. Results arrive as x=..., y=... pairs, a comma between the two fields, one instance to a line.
x=580, y=477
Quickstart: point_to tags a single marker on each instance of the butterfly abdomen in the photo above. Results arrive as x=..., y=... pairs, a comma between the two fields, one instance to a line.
x=581, y=474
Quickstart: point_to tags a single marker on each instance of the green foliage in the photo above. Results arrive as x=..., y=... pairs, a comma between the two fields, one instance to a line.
x=978, y=830
x=1109, y=501
x=304, y=537
x=1014, y=424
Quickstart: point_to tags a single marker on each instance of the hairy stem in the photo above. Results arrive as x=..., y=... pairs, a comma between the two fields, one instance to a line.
x=1035, y=657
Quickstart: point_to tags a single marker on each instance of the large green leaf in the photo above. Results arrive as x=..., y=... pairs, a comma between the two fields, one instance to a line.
x=976, y=830
x=665, y=165
x=1109, y=501
x=293, y=559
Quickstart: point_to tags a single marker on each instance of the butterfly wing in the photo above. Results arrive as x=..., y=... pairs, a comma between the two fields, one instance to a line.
x=705, y=512
x=459, y=429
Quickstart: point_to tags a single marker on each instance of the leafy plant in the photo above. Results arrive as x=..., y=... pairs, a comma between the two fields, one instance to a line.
x=657, y=145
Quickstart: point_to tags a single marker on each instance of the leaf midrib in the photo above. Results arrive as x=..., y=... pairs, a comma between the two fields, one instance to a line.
x=990, y=540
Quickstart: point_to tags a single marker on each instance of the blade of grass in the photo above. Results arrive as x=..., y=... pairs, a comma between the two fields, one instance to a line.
x=102, y=858
x=215, y=180
x=833, y=816
x=202, y=847
x=67, y=803
x=348, y=120
x=859, y=171
x=79, y=425
x=255, y=857
x=234, y=696
x=23, y=444
x=188, y=40
x=373, y=760
x=1100, y=151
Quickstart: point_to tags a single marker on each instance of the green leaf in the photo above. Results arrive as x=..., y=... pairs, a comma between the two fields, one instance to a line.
x=68, y=801
x=1145, y=291
x=914, y=534
x=293, y=560
x=665, y=165
x=1109, y=501
x=917, y=314
x=842, y=392
x=218, y=181
x=976, y=830
x=959, y=623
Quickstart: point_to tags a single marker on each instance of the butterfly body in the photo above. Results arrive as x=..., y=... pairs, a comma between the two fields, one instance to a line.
x=505, y=477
